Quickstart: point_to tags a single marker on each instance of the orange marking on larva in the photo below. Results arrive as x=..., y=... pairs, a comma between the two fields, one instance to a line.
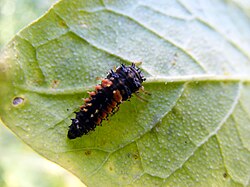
x=91, y=93
x=81, y=107
x=109, y=109
x=103, y=115
x=85, y=109
x=106, y=83
x=98, y=87
x=117, y=96
x=98, y=121
x=87, y=100
x=113, y=104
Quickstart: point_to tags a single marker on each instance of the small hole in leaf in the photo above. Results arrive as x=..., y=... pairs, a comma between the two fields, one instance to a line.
x=17, y=101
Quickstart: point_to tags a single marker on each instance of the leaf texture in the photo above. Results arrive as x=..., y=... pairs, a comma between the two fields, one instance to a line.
x=194, y=129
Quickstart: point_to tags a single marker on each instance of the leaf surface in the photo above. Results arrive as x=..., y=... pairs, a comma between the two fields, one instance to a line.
x=194, y=129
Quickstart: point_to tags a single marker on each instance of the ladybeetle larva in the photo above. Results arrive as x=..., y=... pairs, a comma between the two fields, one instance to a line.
x=117, y=87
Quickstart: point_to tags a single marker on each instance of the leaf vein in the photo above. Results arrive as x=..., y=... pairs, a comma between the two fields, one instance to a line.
x=211, y=134
x=165, y=14
x=238, y=132
x=224, y=162
x=191, y=56
x=100, y=167
x=212, y=27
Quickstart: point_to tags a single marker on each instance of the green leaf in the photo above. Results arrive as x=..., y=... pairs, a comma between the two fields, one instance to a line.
x=194, y=129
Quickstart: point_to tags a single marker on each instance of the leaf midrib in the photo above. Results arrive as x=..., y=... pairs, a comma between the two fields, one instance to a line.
x=153, y=79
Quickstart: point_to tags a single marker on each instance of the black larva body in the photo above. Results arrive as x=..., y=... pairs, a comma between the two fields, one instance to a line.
x=118, y=86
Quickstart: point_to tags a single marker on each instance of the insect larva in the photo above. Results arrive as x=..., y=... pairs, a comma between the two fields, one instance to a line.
x=117, y=87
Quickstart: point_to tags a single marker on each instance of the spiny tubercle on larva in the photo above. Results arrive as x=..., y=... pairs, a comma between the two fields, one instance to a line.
x=117, y=87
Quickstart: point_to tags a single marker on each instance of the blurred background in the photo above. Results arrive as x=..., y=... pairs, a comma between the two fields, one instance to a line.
x=20, y=166
x=16, y=14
